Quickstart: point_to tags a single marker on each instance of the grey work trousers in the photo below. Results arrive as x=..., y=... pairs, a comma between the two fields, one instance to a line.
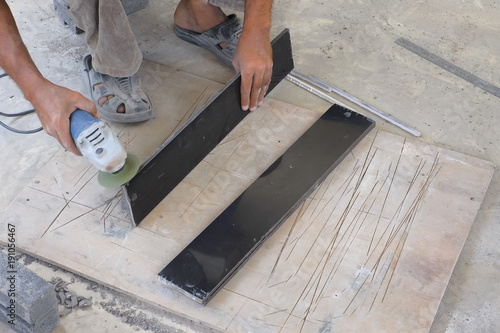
x=108, y=34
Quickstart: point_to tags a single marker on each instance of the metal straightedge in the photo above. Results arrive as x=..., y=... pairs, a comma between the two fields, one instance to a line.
x=467, y=76
x=313, y=82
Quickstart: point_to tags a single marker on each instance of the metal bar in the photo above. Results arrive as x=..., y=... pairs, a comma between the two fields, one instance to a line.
x=355, y=100
x=467, y=76
x=311, y=80
x=327, y=84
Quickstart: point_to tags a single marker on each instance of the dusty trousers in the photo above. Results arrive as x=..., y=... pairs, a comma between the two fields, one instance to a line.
x=112, y=44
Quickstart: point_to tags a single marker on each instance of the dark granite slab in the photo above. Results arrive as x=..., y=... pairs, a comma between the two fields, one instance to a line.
x=178, y=156
x=206, y=264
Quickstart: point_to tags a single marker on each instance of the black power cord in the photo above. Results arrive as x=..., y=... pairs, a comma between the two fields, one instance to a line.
x=19, y=114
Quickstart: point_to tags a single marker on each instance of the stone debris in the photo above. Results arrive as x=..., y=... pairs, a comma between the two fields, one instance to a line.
x=71, y=299
x=61, y=296
x=84, y=303
x=68, y=298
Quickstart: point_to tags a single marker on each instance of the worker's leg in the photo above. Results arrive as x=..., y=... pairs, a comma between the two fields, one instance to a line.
x=112, y=44
x=238, y=5
x=204, y=24
x=110, y=72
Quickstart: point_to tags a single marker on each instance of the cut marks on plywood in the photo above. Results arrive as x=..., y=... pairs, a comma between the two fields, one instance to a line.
x=362, y=194
x=387, y=226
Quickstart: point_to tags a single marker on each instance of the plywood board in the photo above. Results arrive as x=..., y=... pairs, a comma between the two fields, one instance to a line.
x=371, y=249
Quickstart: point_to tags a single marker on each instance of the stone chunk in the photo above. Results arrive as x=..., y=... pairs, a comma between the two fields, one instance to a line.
x=31, y=298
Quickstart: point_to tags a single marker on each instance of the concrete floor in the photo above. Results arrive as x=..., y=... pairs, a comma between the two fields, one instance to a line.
x=351, y=45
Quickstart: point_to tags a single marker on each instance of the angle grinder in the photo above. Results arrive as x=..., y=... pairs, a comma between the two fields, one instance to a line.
x=101, y=147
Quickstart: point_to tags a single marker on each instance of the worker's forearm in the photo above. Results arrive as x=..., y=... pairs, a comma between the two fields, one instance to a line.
x=14, y=57
x=258, y=17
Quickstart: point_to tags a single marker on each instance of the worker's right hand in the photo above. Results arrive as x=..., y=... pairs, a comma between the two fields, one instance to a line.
x=54, y=105
x=254, y=60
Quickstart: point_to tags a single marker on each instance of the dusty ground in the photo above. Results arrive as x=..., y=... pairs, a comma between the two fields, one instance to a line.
x=348, y=43
x=110, y=311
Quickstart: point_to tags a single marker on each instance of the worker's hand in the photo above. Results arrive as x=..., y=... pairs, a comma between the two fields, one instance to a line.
x=254, y=60
x=54, y=104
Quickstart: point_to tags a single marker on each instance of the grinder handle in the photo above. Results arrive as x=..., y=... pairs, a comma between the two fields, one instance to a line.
x=80, y=120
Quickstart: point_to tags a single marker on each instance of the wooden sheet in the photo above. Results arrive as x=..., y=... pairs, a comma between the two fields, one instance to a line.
x=372, y=249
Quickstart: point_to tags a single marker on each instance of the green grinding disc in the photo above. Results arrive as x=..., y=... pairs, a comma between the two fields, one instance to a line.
x=119, y=178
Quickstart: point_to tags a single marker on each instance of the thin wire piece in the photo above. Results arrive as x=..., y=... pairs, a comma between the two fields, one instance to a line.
x=15, y=130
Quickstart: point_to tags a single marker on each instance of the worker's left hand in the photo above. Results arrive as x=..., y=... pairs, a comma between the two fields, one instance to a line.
x=254, y=60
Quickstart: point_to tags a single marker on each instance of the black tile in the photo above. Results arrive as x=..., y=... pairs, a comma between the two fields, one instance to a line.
x=178, y=156
x=204, y=266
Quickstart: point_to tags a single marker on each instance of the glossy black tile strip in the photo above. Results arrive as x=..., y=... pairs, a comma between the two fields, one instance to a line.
x=178, y=156
x=207, y=263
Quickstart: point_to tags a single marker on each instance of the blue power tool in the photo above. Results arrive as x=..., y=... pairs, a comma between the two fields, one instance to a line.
x=101, y=147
